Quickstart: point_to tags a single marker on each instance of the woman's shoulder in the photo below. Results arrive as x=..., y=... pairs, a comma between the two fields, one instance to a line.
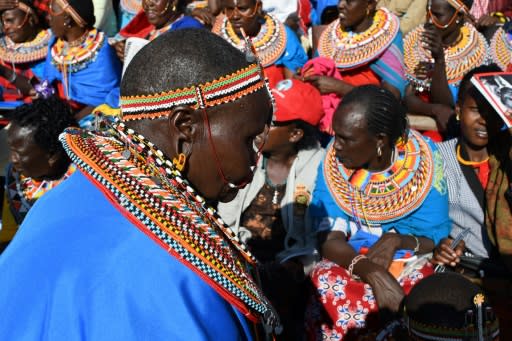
x=187, y=22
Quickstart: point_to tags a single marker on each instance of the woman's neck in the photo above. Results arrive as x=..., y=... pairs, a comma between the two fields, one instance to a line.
x=278, y=165
x=363, y=25
x=173, y=16
x=75, y=34
x=474, y=154
x=453, y=38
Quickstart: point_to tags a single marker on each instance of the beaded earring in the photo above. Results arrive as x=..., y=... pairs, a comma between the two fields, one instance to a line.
x=180, y=162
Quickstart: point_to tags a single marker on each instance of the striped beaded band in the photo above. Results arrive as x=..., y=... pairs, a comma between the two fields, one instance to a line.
x=459, y=6
x=223, y=90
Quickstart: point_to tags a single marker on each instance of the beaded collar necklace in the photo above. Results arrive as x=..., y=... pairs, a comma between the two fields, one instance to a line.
x=143, y=184
x=501, y=48
x=350, y=50
x=223, y=90
x=75, y=58
x=270, y=42
x=131, y=6
x=381, y=197
x=470, y=51
x=27, y=52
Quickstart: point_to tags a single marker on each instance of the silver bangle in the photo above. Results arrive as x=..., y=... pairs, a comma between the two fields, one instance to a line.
x=417, y=248
x=353, y=263
x=13, y=77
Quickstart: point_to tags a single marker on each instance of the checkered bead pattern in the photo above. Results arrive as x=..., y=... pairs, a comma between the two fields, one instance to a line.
x=162, y=204
x=223, y=90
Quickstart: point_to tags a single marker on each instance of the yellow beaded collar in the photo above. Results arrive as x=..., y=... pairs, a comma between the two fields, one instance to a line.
x=470, y=51
x=501, y=48
x=350, y=50
x=270, y=42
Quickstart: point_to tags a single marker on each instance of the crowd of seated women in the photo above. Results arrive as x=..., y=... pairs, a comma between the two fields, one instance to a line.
x=350, y=206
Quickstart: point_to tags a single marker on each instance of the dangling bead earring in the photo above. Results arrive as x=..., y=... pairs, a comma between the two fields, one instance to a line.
x=379, y=151
x=180, y=162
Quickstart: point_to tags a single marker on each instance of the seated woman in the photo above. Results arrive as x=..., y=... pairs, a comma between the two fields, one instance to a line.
x=277, y=46
x=467, y=173
x=83, y=66
x=380, y=196
x=501, y=48
x=363, y=46
x=23, y=50
x=156, y=17
x=38, y=160
x=269, y=215
x=437, y=56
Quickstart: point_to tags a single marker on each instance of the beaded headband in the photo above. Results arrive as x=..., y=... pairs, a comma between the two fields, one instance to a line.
x=459, y=6
x=66, y=7
x=25, y=8
x=223, y=90
x=481, y=325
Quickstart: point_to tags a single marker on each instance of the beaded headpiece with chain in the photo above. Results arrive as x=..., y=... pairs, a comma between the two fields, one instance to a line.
x=223, y=90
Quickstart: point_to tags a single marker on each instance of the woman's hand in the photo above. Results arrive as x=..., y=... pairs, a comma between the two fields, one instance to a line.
x=384, y=249
x=119, y=47
x=444, y=255
x=432, y=41
x=386, y=289
x=487, y=21
x=8, y=4
x=204, y=16
x=441, y=113
x=326, y=84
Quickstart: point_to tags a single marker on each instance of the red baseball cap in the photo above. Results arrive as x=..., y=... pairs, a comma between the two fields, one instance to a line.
x=296, y=100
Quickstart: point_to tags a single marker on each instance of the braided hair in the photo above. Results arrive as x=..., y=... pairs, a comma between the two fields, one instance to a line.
x=383, y=111
x=47, y=118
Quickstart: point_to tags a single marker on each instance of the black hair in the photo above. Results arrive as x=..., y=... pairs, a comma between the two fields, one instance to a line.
x=311, y=134
x=442, y=301
x=85, y=9
x=384, y=112
x=48, y=118
x=466, y=87
x=179, y=59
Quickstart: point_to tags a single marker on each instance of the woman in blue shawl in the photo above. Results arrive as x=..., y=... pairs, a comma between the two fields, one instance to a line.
x=80, y=62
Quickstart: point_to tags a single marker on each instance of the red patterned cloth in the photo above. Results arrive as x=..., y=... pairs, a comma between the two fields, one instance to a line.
x=343, y=305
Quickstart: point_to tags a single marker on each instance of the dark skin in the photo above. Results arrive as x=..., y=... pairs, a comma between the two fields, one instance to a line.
x=159, y=13
x=355, y=16
x=185, y=131
x=280, y=150
x=30, y=159
x=20, y=28
x=475, y=131
x=65, y=28
x=356, y=148
x=436, y=39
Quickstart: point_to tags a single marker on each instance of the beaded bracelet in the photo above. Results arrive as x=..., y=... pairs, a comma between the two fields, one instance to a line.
x=353, y=263
x=500, y=16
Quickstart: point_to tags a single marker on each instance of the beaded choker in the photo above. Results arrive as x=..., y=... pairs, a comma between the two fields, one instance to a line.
x=350, y=50
x=75, y=58
x=501, y=48
x=145, y=186
x=380, y=197
x=223, y=90
x=270, y=42
x=470, y=51
x=26, y=52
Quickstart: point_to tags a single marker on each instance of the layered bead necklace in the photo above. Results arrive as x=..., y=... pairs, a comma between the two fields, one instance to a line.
x=140, y=180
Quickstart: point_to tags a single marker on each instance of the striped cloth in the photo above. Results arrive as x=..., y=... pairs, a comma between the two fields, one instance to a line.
x=465, y=209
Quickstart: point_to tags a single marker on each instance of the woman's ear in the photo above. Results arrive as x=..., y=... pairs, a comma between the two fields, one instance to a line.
x=296, y=134
x=382, y=140
x=185, y=125
x=68, y=21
